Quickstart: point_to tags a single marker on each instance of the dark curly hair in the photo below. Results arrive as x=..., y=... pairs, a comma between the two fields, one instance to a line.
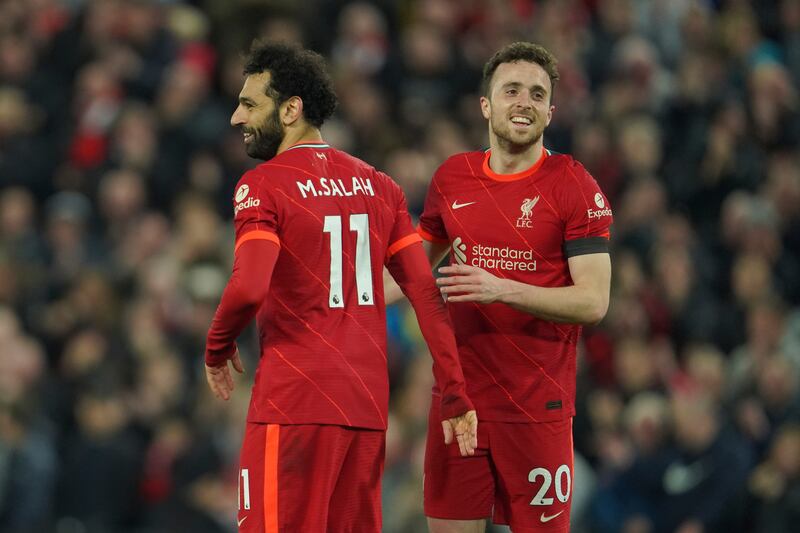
x=294, y=72
x=521, y=51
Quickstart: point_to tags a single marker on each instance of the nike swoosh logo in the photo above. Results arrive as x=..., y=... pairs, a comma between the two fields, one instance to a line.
x=544, y=519
x=457, y=205
x=239, y=522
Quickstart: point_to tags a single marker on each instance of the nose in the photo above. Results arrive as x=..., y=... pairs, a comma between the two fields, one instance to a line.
x=238, y=117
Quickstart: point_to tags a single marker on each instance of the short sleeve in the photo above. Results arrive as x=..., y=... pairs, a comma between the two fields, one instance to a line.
x=254, y=213
x=402, y=232
x=431, y=225
x=587, y=213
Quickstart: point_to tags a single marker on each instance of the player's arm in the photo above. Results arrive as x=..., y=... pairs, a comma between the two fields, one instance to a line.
x=243, y=295
x=410, y=267
x=436, y=251
x=583, y=302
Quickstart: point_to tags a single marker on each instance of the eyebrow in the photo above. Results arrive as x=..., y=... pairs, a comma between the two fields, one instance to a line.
x=246, y=100
x=516, y=84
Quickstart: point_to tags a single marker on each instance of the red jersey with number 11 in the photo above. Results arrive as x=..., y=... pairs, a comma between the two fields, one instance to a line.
x=524, y=227
x=322, y=327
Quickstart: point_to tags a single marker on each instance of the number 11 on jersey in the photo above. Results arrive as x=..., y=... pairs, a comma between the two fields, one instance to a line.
x=359, y=223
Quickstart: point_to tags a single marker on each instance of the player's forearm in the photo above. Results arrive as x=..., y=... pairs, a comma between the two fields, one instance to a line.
x=573, y=304
x=236, y=309
x=412, y=271
x=437, y=330
x=241, y=299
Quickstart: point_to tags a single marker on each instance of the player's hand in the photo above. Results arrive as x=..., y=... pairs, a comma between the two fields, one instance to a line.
x=465, y=429
x=220, y=379
x=466, y=283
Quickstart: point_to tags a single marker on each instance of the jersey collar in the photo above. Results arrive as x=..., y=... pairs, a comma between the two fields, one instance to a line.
x=308, y=145
x=516, y=176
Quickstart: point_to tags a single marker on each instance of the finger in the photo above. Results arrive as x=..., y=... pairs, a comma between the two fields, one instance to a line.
x=224, y=394
x=464, y=298
x=470, y=439
x=472, y=442
x=211, y=385
x=468, y=449
x=237, y=362
x=219, y=392
x=459, y=288
x=456, y=269
x=461, y=446
x=226, y=385
x=456, y=280
x=228, y=378
x=450, y=280
x=448, y=431
x=211, y=379
x=473, y=436
x=220, y=385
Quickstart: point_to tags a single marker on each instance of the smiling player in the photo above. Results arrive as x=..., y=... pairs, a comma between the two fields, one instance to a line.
x=314, y=229
x=527, y=232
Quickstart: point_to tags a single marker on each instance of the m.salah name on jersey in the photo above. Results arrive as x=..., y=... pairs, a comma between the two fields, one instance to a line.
x=335, y=187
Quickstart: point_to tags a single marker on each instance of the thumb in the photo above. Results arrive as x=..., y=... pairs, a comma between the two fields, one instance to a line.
x=473, y=430
x=237, y=362
x=448, y=431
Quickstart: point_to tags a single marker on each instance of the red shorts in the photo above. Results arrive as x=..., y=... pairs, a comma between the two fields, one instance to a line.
x=520, y=475
x=310, y=478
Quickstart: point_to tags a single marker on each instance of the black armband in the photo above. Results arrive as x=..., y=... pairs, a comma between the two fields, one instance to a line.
x=588, y=245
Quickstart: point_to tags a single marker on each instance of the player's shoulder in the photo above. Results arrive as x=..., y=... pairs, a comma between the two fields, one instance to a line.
x=365, y=170
x=256, y=175
x=461, y=162
x=563, y=161
x=560, y=164
x=463, y=159
x=252, y=180
x=357, y=164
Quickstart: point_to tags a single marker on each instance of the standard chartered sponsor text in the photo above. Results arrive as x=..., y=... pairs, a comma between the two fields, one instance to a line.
x=502, y=258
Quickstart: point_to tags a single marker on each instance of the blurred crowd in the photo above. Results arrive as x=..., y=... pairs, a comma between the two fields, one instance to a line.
x=117, y=164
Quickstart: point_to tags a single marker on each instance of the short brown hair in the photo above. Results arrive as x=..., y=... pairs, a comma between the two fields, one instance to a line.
x=521, y=51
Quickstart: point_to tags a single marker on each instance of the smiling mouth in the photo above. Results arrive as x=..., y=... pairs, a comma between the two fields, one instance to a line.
x=521, y=121
x=248, y=137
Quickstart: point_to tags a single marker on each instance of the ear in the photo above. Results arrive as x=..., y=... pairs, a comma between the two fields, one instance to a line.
x=550, y=114
x=291, y=110
x=486, y=108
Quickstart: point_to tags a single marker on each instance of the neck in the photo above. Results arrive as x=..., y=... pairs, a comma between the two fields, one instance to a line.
x=507, y=158
x=297, y=135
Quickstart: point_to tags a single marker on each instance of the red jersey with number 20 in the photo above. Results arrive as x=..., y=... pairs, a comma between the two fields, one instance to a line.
x=322, y=327
x=524, y=227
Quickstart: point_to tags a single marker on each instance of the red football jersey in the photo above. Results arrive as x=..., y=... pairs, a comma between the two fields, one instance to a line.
x=322, y=327
x=524, y=227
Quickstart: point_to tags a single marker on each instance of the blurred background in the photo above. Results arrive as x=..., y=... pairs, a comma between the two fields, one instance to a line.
x=117, y=165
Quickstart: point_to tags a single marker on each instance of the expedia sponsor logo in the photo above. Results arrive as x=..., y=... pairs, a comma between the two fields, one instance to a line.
x=598, y=199
x=242, y=192
x=493, y=257
x=598, y=213
x=251, y=202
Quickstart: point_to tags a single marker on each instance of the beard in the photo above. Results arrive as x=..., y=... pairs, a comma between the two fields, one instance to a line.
x=515, y=141
x=266, y=139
